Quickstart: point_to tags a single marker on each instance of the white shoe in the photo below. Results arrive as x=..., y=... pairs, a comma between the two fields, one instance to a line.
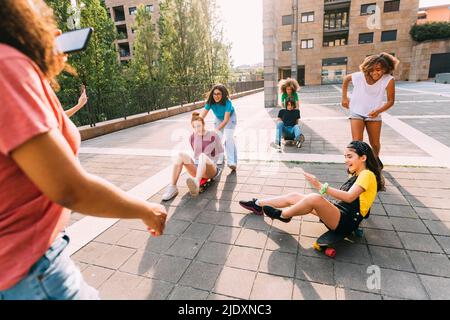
x=193, y=185
x=275, y=145
x=220, y=159
x=300, y=141
x=171, y=192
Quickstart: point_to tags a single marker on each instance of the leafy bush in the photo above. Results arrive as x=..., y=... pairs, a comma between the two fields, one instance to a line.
x=430, y=31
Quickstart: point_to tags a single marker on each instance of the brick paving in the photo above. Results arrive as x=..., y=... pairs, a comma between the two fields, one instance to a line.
x=214, y=249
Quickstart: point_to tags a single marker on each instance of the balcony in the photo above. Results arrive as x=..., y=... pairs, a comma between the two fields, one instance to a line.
x=336, y=4
x=119, y=14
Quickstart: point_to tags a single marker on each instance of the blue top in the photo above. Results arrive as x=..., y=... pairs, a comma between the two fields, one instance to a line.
x=219, y=109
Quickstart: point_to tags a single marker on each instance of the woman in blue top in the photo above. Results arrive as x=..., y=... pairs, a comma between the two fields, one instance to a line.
x=225, y=114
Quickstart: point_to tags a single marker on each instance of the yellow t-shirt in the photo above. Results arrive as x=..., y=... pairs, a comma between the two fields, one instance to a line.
x=368, y=181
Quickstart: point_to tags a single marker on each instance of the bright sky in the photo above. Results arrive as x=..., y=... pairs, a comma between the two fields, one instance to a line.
x=242, y=21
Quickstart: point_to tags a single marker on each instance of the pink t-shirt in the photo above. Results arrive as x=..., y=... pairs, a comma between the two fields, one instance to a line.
x=29, y=221
x=209, y=144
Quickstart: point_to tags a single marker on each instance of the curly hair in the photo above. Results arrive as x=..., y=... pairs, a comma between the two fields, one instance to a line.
x=289, y=82
x=29, y=26
x=223, y=90
x=387, y=61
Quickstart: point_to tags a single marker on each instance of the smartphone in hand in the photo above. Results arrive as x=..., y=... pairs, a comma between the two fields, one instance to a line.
x=74, y=41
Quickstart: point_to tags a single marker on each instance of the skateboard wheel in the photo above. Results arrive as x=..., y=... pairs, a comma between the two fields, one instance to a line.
x=330, y=252
x=359, y=233
x=317, y=247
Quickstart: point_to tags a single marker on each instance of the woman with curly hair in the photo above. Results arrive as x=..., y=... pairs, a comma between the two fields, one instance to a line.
x=288, y=89
x=366, y=101
x=41, y=179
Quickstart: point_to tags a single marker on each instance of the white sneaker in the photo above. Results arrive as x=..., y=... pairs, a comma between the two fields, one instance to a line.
x=220, y=159
x=193, y=185
x=276, y=145
x=300, y=141
x=171, y=192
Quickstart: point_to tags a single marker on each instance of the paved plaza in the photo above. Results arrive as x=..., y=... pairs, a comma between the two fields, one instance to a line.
x=214, y=249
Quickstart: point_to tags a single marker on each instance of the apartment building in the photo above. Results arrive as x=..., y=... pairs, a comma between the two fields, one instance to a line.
x=123, y=13
x=439, y=13
x=319, y=42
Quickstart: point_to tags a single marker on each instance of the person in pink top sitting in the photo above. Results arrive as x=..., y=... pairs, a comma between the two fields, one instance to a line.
x=207, y=148
x=41, y=179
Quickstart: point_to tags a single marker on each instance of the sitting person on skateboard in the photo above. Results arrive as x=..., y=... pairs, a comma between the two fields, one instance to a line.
x=287, y=125
x=354, y=198
x=207, y=147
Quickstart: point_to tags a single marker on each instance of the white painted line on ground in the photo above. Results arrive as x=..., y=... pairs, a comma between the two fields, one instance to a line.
x=127, y=151
x=425, y=92
x=87, y=229
x=443, y=116
x=439, y=151
x=275, y=156
x=396, y=102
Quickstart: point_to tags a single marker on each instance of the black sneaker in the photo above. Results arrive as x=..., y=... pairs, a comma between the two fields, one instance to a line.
x=275, y=214
x=252, y=206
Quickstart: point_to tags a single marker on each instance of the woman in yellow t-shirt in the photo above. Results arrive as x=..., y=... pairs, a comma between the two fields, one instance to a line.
x=353, y=199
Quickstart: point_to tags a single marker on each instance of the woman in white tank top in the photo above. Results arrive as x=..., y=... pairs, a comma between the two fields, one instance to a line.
x=366, y=102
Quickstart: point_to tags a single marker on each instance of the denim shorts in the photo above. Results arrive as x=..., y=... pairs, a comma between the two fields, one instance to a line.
x=53, y=277
x=354, y=116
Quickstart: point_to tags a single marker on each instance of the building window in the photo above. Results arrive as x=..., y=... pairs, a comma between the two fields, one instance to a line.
x=365, y=38
x=334, y=41
x=307, y=44
x=333, y=70
x=369, y=8
x=119, y=14
x=132, y=11
x=335, y=21
x=149, y=8
x=308, y=17
x=286, y=46
x=391, y=6
x=390, y=35
x=286, y=20
x=122, y=32
x=124, y=50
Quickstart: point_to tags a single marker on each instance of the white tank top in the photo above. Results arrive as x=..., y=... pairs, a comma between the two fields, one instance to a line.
x=365, y=97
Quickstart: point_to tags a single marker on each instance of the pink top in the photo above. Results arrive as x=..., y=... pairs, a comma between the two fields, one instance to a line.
x=29, y=221
x=209, y=144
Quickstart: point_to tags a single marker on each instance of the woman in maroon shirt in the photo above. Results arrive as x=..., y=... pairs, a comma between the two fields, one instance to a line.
x=206, y=147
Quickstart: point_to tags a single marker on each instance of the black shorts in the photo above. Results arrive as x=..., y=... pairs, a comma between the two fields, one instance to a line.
x=349, y=221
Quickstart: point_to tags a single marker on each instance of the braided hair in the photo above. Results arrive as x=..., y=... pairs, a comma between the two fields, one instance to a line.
x=363, y=149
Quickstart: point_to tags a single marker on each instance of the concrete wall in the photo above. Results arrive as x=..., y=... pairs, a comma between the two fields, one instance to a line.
x=436, y=14
x=421, y=57
x=111, y=126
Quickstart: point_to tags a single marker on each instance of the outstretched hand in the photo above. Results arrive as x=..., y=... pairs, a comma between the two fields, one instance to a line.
x=156, y=221
x=82, y=100
x=313, y=180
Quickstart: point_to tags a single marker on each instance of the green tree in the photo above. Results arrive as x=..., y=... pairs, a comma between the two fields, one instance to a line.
x=144, y=66
x=430, y=31
x=97, y=66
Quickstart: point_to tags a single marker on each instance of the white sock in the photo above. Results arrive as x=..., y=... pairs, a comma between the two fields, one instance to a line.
x=257, y=203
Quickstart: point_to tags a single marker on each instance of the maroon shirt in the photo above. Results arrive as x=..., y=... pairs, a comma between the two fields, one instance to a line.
x=209, y=144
